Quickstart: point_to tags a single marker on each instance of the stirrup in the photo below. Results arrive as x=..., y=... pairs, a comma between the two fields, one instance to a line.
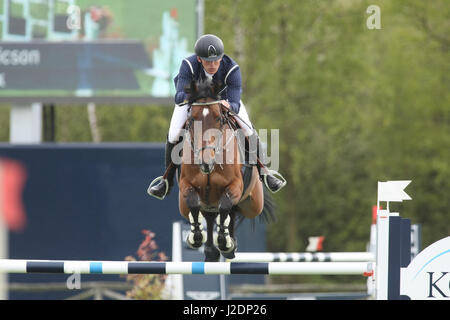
x=156, y=181
x=276, y=175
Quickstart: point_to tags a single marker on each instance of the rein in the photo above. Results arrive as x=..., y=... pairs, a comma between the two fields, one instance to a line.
x=205, y=103
x=216, y=102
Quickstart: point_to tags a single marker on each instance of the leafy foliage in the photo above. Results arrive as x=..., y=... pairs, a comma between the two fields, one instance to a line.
x=354, y=106
x=147, y=286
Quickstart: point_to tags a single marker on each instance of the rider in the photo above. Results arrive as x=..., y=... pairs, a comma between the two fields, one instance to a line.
x=208, y=62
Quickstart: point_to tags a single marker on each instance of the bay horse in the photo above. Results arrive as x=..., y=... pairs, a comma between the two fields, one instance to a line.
x=221, y=192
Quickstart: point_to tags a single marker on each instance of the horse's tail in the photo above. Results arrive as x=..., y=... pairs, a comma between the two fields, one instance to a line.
x=268, y=212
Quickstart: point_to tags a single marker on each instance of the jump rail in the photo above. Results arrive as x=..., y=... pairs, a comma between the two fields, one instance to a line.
x=304, y=257
x=141, y=267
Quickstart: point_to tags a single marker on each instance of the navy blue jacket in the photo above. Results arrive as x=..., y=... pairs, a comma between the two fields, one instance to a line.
x=228, y=73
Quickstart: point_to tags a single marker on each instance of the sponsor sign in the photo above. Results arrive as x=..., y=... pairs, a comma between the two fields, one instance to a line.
x=428, y=275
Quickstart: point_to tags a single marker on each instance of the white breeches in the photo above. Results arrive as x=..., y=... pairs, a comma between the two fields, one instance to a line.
x=180, y=115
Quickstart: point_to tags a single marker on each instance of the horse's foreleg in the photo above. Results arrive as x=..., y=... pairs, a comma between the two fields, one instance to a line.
x=197, y=236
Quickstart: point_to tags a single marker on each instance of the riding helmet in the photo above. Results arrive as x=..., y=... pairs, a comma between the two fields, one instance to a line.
x=209, y=47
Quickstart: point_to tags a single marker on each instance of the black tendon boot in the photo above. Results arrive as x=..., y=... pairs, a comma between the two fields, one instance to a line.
x=273, y=183
x=164, y=186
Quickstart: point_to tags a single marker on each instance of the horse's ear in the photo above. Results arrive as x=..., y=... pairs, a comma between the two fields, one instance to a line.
x=217, y=87
x=191, y=87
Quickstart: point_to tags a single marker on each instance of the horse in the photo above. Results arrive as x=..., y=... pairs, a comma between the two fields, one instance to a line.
x=221, y=192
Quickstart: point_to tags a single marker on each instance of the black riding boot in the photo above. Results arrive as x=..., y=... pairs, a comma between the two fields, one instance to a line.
x=273, y=183
x=159, y=190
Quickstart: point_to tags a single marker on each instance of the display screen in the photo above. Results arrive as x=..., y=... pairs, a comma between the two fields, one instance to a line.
x=93, y=50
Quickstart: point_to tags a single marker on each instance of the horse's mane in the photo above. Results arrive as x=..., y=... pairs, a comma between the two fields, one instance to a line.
x=200, y=89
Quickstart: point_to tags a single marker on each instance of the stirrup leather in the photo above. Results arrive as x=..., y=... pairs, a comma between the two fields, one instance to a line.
x=156, y=181
x=276, y=175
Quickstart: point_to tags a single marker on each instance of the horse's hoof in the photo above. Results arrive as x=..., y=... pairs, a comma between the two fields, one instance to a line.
x=197, y=236
x=228, y=255
x=225, y=243
x=196, y=239
x=212, y=254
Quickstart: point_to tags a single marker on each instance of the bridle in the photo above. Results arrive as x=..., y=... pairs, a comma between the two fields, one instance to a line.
x=224, y=119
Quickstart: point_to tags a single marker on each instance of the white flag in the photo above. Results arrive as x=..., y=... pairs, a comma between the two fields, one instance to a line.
x=393, y=191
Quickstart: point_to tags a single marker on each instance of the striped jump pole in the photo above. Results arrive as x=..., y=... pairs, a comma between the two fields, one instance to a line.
x=304, y=257
x=141, y=267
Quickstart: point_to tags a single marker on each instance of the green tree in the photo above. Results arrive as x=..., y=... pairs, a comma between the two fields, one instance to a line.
x=4, y=123
x=354, y=106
